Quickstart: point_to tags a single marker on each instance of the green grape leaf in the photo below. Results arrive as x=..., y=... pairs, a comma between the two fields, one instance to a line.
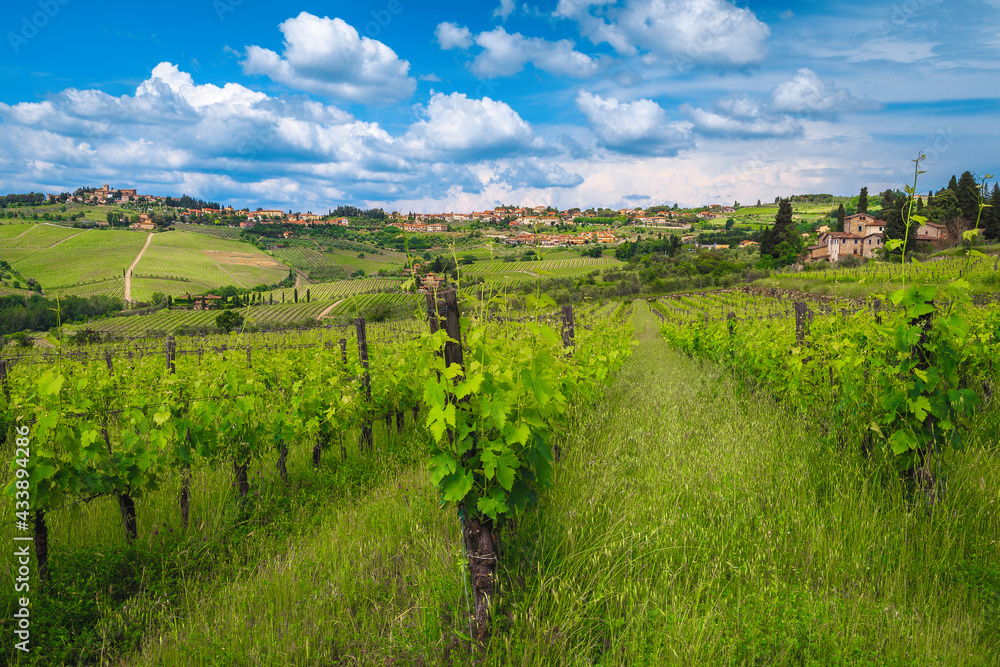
x=455, y=486
x=492, y=504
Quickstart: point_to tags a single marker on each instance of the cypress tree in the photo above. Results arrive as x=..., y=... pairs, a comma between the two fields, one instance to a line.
x=767, y=242
x=953, y=184
x=307, y=295
x=945, y=208
x=863, y=201
x=295, y=294
x=968, y=197
x=992, y=216
x=783, y=238
x=841, y=214
x=894, y=213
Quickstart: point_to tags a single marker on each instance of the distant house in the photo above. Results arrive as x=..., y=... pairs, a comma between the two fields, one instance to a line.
x=931, y=231
x=817, y=253
x=202, y=301
x=144, y=224
x=863, y=235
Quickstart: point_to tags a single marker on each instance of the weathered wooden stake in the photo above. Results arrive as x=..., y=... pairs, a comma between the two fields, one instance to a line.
x=568, y=328
x=3, y=378
x=367, y=441
x=170, y=348
x=478, y=532
x=42, y=545
x=242, y=482
x=801, y=322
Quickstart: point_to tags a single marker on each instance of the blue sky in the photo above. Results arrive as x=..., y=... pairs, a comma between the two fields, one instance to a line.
x=449, y=106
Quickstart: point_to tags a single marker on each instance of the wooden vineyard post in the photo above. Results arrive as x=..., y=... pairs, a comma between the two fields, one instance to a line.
x=3, y=378
x=729, y=321
x=876, y=308
x=477, y=532
x=343, y=351
x=568, y=328
x=170, y=350
x=126, y=504
x=801, y=324
x=366, y=441
x=249, y=363
x=42, y=546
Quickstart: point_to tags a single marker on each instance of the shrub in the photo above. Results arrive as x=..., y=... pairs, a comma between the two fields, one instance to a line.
x=85, y=336
x=229, y=320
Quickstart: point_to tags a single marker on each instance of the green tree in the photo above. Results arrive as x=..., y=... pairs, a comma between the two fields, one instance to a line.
x=894, y=214
x=782, y=242
x=968, y=196
x=295, y=294
x=863, y=201
x=228, y=320
x=675, y=245
x=953, y=184
x=841, y=215
x=944, y=208
x=991, y=216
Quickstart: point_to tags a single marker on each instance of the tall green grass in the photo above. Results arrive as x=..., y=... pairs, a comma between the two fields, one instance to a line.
x=687, y=524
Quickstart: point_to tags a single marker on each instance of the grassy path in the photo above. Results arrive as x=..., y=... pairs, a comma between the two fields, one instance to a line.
x=65, y=239
x=128, y=274
x=686, y=525
x=327, y=310
x=690, y=525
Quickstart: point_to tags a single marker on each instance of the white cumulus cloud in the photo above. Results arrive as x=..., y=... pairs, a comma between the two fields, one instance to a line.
x=327, y=57
x=453, y=36
x=457, y=127
x=506, y=54
x=740, y=119
x=639, y=128
x=807, y=93
x=505, y=9
x=713, y=32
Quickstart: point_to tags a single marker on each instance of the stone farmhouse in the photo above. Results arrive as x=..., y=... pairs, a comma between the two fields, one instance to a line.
x=863, y=235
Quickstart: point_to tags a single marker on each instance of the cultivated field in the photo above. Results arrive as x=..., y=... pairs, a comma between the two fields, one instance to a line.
x=178, y=263
x=61, y=258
